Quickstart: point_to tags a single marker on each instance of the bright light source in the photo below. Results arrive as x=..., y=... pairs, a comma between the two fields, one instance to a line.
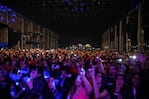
x=120, y=60
x=134, y=57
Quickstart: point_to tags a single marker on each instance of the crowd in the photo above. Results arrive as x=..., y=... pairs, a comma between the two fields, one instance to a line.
x=73, y=74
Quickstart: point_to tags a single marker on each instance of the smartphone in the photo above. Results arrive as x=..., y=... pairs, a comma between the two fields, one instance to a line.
x=17, y=83
x=37, y=54
x=120, y=60
x=75, y=55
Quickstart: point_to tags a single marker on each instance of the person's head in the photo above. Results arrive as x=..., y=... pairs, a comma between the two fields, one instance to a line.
x=98, y=77
x=120, y=80
x=78, y=81
x=57, y=60
x=51, y=83
x=13, y=63
x=7, y=63
x=36, y=72
x=88, y=73
x=69, y=63
x=45, y=63
x=23, y=63
x=135, y=79
x=65, y=71
x=112, y=71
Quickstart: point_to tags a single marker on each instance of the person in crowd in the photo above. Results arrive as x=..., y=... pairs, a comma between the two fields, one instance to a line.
x=120, y=88
x=46, y=70
x=37, y=83
x=7, y=63
x=88, y=74
x=14, y=63
x=110, y=78
x=54, y=91
x=4, y=86
x=98, y=89
x=24, y=67
x=56, y=67
x=81, y=89
x=135, y=89
x=66, y=81
x=55, y=62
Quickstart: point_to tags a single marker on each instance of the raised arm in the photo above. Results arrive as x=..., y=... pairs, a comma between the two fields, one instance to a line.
x=100, y=65
x=96, y=88
x=87, y=84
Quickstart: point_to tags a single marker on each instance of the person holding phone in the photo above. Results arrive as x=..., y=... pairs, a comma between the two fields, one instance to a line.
x=37, y=83
x=81, y=88
x=99, y=91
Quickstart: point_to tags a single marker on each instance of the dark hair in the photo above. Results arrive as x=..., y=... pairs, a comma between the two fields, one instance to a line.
x=119, y=74
x=66, y=69
x=135, y=73
x=39, y=69
x=114, y=65
x=123, y=89
x=35, y=96
x=73, y=88
x=103, y=84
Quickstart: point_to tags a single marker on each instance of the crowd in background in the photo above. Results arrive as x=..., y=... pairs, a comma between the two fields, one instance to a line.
x=73, y=74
